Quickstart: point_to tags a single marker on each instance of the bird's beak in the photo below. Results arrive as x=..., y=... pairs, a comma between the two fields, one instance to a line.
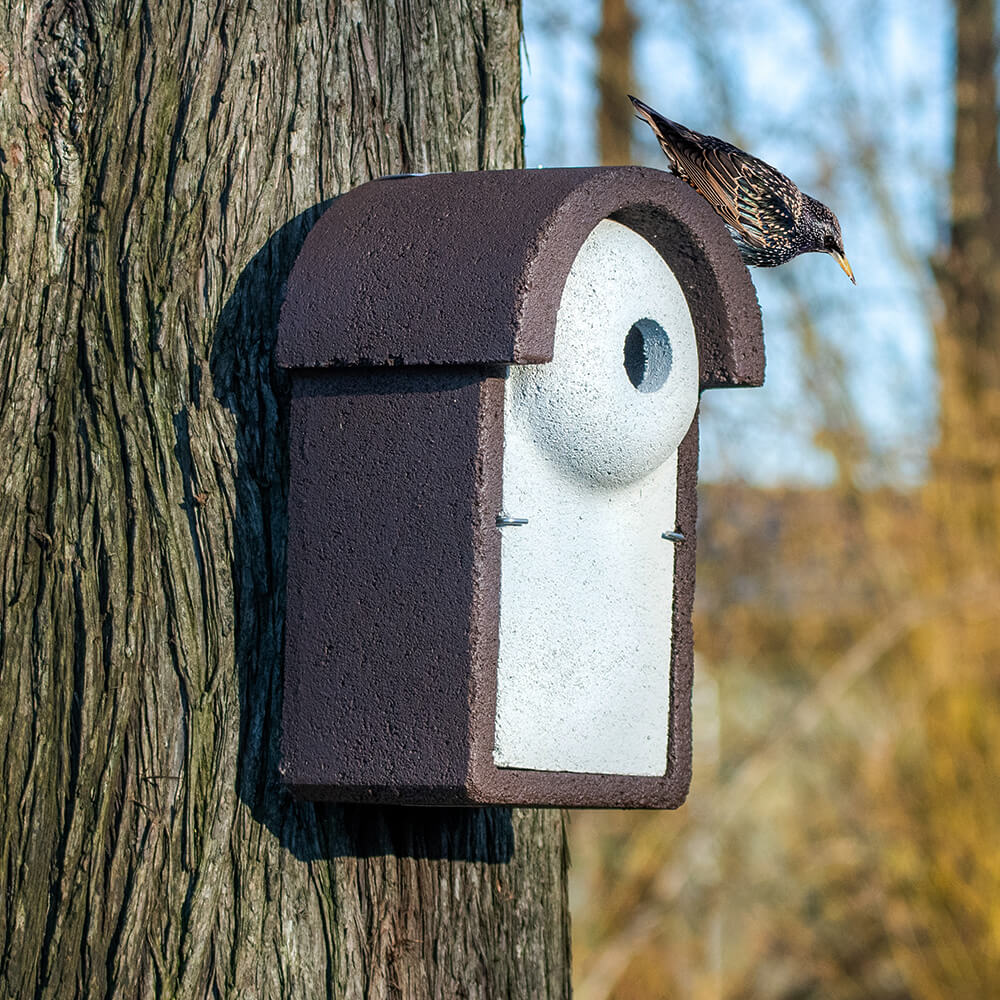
x=843, y=262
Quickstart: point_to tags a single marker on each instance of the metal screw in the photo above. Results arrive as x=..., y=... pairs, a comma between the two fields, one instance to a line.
x=506, y=521
x=673, y=536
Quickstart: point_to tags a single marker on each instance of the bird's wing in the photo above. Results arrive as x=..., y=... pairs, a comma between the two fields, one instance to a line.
x=763, y=210
x=759, y=202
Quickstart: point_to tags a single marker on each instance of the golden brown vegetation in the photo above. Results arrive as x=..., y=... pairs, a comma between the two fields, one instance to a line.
x=840, y=838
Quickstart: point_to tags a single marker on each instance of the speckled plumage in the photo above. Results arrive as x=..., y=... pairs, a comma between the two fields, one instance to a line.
x=770, y=219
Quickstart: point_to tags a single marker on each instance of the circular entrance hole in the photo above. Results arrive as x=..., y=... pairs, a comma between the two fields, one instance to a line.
x=648, y=357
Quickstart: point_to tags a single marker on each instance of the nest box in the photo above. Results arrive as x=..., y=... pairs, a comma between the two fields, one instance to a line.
x=494, y=446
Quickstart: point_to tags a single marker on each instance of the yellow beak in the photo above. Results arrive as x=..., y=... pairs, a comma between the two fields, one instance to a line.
x=843, y=262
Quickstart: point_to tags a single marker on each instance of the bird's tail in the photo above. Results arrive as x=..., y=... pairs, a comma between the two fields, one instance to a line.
x=664, y=128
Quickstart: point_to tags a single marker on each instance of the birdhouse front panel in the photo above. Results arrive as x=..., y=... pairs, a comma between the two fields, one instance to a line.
x=492, y=506
x=590, y=463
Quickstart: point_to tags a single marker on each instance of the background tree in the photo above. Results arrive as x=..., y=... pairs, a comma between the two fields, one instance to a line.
x=615, y=79
x=944, y=873
x=160, y=166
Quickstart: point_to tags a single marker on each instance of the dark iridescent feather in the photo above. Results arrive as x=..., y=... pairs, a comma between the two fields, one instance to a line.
x=770, y=219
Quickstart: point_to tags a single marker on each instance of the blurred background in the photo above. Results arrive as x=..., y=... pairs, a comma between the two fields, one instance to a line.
x=842, y=835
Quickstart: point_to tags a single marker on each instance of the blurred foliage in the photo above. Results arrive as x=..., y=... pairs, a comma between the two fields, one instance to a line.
x=843, y=809
x=840, y=836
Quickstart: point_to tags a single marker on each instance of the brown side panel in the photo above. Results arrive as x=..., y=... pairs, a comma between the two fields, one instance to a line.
x=682, y=643
x=382, y=519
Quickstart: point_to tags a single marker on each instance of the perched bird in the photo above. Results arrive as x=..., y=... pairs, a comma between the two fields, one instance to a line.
x=770, y=219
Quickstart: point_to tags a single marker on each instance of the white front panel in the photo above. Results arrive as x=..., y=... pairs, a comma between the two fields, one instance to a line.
x=590, y=458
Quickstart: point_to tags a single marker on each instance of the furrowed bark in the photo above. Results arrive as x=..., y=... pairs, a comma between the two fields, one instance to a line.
x=160, y=165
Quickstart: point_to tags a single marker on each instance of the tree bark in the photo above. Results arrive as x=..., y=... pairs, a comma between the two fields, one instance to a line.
x=160, y=165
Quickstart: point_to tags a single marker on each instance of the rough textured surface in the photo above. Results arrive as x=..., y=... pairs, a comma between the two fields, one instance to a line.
x=409, y=315
x=160, y=165
x=591, y=460
x=467, y=268
x=381, y=580
x=724, y=308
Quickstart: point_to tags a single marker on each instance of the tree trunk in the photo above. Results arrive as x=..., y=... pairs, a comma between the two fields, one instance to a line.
x=967, y=461
x=964, y=488
x=160, y=166
x=615, y=81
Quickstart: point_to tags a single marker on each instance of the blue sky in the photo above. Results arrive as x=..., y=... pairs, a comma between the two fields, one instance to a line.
x=805, y=85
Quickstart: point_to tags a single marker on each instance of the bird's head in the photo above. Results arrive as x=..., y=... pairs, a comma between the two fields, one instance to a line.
x=826, y=236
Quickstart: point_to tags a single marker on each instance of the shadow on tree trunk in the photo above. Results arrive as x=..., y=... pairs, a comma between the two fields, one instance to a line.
x=249, y=384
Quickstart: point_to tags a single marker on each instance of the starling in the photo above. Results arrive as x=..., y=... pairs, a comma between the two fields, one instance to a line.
x=770, y=219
